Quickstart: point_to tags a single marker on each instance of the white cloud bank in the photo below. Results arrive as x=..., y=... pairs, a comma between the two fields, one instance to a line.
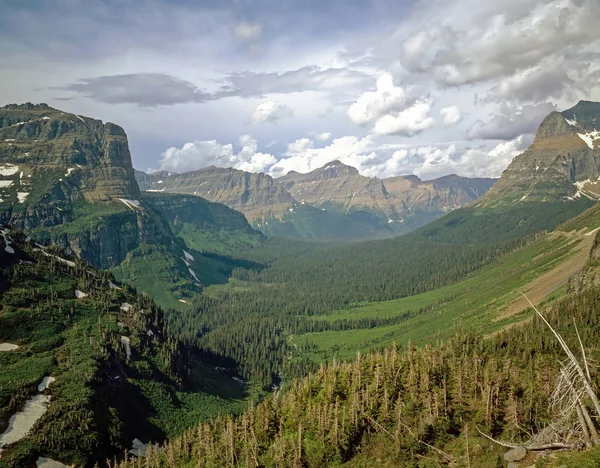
x=270, y=112
x=200, y=154
x=390, y=110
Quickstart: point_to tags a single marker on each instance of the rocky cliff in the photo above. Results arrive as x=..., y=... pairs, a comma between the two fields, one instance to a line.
x=563, y=163
x=68, y=180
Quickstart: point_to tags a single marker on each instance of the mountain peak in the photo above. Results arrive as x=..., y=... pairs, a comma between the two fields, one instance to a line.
x=554, y=125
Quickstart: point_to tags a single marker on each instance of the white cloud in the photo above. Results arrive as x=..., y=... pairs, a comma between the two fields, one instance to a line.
x=409, y=122
x=323, y=136
x=248, y=31
x=451, y=115
x=270, y=112
x=301, y=155
x=199, y=154
x=372, y=105
x=510, y=121
x=432, y=162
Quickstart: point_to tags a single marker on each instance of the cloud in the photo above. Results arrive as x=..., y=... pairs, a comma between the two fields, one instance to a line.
x=511, y=121
x=409, y=122
x=270, y=112
x=373, y=105
x=310, y=78
x=323, y=136
x=431, y=162
x=143, y=89
x=301, y=156
x=248, y=31
x=535, y=47
x=198, y=154
x=390, y=110
x=159, y=89
x=451, y=115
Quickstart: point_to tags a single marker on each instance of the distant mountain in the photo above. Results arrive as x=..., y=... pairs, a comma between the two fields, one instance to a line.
x=334, y=202
x=563, y=163
x=398, y=204
x=68, y=180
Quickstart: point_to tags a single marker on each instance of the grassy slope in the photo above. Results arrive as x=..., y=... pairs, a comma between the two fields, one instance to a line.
x=474, y=303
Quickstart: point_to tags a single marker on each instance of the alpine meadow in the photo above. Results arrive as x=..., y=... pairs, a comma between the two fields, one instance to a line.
x=287, y=234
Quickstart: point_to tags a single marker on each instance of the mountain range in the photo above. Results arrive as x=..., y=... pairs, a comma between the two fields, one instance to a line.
x=334, y=202
x=247, y=313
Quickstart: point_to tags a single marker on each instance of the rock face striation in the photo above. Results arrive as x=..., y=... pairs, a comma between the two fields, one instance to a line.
x=563, y=163
x=332, y=202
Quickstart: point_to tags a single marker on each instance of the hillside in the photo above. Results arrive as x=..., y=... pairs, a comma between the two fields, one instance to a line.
x=88, y=365
x=413, y=407
x=67, y=180
x=331, y=203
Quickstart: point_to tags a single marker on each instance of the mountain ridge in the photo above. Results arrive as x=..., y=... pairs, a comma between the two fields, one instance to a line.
x=367, y=207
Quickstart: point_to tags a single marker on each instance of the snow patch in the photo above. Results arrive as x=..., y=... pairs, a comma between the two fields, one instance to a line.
x=156, y=190
x=43, y=462
x=22, y=196
x=79, y=117
x=45, y=118
x=125, y=341
x=573, y=122
x=7, y=246
x=590, y=138
x=193, y=274
x=8, y=347
x=80, y=294
x=125, y=307
x=45, y=383
x=23, y=421
x=69, y=170
x=9, y=139
x=183, y=301
x=138, y=448
x=131, y=204
x=188, y=256
x=9, y=169
x=5, y=183
x=112, y=285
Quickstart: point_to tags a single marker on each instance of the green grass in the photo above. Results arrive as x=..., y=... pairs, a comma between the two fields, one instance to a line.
x=469, y=304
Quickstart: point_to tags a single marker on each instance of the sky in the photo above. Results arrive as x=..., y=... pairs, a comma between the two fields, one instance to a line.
x=391, y=87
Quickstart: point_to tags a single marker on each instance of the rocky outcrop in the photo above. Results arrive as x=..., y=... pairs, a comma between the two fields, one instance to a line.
x=563, y=163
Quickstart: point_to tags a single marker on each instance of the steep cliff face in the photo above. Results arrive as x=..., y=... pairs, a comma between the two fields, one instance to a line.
x=563, y=163
x=69, y=179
